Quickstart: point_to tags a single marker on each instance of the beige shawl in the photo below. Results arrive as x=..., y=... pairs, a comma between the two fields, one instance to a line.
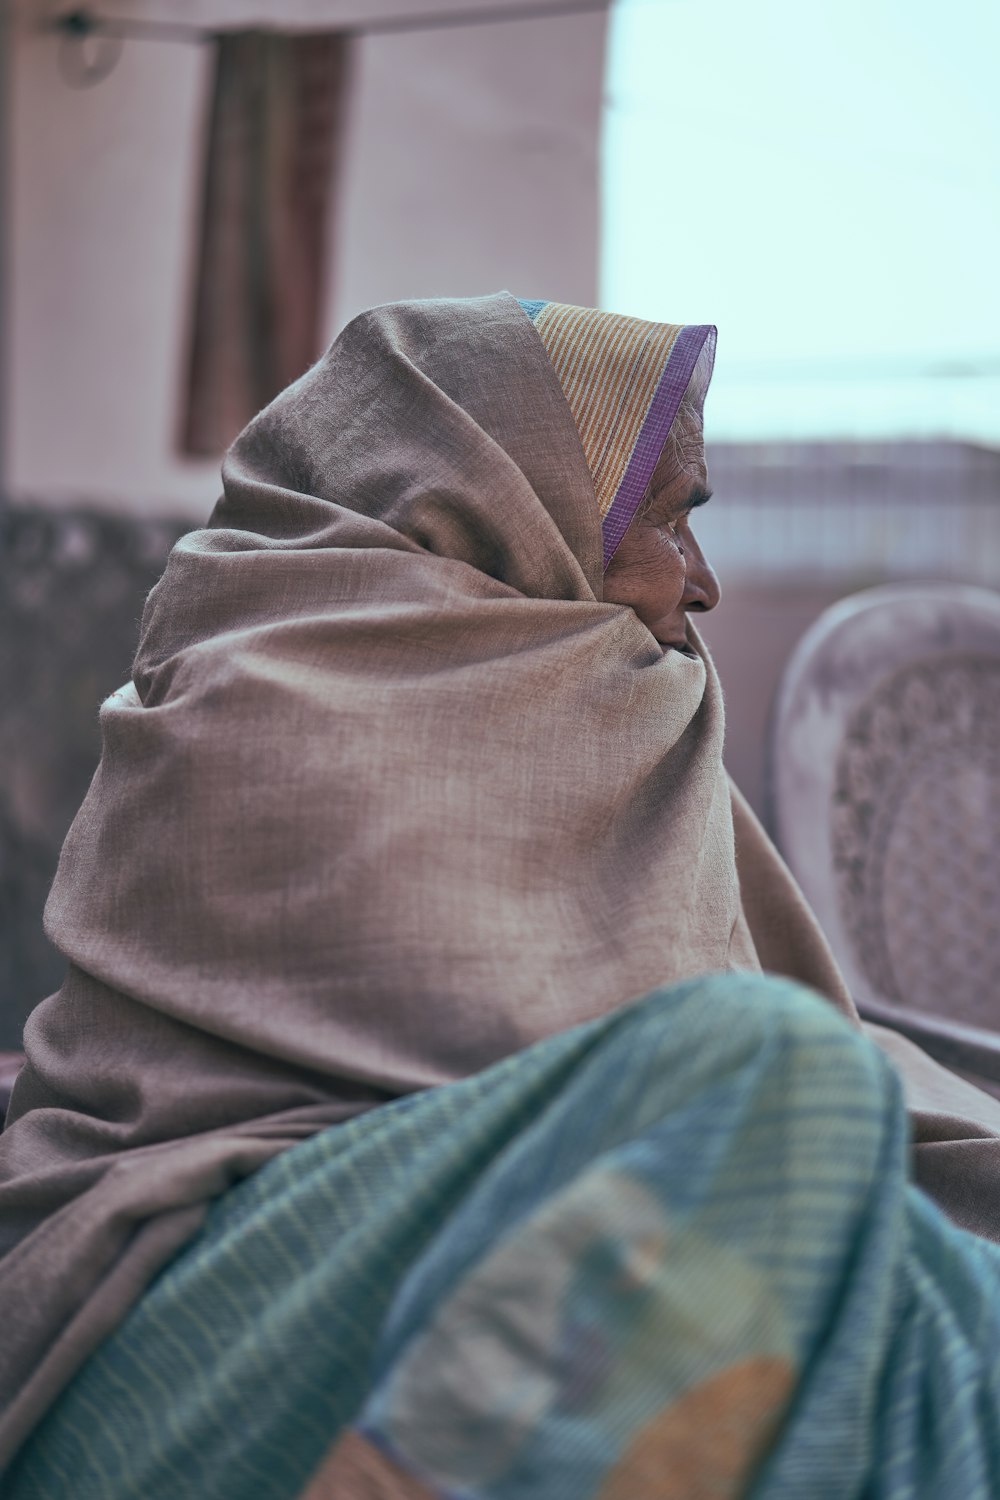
x=393, y=795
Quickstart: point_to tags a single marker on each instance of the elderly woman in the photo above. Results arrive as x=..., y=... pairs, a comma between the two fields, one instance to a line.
x=415, y=1120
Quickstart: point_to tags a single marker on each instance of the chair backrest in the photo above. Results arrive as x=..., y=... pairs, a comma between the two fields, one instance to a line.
x=885, y=790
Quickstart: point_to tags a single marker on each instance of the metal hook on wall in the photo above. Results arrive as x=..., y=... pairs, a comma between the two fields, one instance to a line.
x=87, y=52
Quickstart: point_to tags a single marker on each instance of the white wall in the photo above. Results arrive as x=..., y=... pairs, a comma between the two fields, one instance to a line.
x=471, y=163
x=104, y=189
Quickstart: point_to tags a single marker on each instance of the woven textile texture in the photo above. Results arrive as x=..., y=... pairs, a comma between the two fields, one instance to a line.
x=624, y=380
x=527, y=1286
x=393, y=794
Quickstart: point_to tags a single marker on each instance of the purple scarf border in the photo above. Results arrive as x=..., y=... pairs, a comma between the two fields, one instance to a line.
x=659, y=419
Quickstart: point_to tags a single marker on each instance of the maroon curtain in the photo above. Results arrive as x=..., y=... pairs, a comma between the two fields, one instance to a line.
x=261, y=267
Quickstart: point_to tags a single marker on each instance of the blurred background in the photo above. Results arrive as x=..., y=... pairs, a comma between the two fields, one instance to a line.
x=197, y=194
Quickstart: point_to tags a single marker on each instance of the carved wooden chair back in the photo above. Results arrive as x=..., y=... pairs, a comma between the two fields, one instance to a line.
x=884, y=779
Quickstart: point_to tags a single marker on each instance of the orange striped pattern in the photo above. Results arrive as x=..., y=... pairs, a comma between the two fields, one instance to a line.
x=609, y=367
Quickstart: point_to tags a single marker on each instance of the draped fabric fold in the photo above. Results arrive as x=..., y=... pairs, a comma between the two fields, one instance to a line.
x=393, y=795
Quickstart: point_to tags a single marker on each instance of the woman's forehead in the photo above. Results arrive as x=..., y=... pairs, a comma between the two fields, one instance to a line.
x=682, y=466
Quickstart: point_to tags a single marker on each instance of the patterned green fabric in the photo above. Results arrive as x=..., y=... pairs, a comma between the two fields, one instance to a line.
x=511, y=1282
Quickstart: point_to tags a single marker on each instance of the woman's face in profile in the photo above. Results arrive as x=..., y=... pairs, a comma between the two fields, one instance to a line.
x=659, y=569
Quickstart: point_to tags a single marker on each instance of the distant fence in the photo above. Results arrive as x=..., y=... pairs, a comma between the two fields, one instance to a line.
x=857, y=512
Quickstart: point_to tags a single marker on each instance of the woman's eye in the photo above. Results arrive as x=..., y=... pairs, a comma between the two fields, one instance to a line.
x=674, y=529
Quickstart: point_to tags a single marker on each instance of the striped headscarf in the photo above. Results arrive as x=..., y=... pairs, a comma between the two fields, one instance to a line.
x=624, y=380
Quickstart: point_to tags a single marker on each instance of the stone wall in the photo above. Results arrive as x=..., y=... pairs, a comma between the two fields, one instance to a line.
x=72, y=588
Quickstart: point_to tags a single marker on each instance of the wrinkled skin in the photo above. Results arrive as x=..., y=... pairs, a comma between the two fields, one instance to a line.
x=659, y=568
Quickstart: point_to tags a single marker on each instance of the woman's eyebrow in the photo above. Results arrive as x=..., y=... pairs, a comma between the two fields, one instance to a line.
x=658, y=504
x=698, y=496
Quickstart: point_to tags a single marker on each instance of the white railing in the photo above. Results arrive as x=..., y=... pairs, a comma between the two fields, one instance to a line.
x=856, y=512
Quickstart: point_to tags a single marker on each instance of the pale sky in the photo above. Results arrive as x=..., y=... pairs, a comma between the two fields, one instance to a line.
x=821, y=178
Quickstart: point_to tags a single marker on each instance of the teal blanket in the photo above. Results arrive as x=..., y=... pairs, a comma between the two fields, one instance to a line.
x=673, y=1252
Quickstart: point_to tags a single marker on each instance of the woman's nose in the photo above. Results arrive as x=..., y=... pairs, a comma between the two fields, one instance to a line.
x=701, y=589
